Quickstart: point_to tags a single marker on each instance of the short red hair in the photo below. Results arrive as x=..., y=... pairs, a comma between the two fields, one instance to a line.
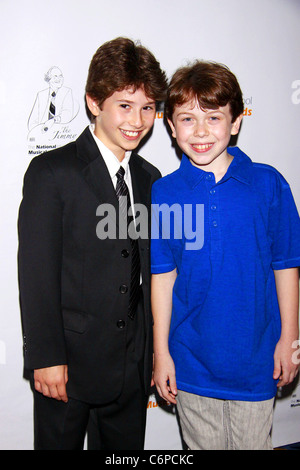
x=213, y=85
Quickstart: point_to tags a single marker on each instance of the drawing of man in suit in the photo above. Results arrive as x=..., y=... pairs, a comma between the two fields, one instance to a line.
x=85, y=301
x=53, y=105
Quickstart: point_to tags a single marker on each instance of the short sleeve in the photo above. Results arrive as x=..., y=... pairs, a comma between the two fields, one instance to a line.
x=284, y=228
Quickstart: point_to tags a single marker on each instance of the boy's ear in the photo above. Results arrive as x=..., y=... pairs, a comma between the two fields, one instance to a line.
x=172, y=128
x=92, y=105
x=236, y=125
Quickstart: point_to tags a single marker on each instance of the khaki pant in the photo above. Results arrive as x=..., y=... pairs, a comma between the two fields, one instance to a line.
x=212, y=424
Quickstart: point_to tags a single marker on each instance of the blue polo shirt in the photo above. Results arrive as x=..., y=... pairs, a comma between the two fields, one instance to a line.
x=225, y=320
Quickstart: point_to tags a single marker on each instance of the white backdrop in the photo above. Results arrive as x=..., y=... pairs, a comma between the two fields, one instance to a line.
x=258, y=40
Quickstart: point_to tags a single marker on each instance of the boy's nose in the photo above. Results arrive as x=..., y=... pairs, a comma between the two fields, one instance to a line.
x=136, y=119
x=201, y=130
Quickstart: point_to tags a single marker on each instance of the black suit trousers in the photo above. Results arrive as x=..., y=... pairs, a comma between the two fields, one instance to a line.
x=119, y=425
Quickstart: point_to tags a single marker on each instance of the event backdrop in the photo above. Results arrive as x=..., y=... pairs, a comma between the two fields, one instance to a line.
x=258, y=40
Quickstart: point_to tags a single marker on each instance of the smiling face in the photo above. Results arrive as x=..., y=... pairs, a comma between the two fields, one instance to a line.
x=56, y=78
x=123, y=119
x=204, y=134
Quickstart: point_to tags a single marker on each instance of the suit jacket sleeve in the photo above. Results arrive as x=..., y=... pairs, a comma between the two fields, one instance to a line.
x=39, y=263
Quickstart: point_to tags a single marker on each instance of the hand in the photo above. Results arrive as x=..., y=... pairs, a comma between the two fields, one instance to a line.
x=285, y=368
x=51, y=382
x=164, y=377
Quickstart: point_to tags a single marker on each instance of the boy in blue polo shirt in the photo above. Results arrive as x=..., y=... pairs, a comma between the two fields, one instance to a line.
x=226, y=310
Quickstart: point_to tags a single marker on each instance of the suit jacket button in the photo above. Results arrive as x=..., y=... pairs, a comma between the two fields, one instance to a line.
x=125, y=253
x=120, y=324
x=123, y=289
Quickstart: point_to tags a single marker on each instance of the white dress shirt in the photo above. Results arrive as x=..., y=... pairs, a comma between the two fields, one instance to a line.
x=113, y=164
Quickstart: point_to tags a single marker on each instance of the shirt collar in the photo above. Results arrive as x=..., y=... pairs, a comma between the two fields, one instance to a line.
x=240, y=168
x=111, y=161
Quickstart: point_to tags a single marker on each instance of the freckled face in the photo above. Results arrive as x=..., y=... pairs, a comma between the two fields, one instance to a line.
x=123, y=119
x=203, y=135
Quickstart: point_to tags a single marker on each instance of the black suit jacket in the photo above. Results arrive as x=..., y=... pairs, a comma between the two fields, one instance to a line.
x=74, y=287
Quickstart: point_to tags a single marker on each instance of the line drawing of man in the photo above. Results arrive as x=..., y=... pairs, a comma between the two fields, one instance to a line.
x=53, y=105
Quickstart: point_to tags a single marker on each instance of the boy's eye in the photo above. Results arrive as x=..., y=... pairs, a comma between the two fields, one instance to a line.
x=124, y=105
x=215, y=118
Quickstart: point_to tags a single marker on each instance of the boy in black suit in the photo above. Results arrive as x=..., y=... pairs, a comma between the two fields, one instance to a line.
x=87, y=341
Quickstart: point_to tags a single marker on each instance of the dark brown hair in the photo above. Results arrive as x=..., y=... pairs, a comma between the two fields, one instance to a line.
x=213, y=85
x=120, y=64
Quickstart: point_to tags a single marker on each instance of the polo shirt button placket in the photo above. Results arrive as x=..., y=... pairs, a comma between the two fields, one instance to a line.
x=213, y=208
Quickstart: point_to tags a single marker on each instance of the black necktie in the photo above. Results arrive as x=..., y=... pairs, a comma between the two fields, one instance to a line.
x=52, y=107
x=124, y=202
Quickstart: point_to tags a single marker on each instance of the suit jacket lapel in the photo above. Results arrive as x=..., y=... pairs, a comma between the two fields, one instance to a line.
x=96, y=174
x=95, y=171
x=140, y=181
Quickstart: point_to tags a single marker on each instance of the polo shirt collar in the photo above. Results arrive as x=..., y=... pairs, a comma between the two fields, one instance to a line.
x=240, y=169
x=191, y=174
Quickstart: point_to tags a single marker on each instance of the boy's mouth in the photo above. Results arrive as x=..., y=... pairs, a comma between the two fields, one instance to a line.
x=131, y=135
x=201, y=148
